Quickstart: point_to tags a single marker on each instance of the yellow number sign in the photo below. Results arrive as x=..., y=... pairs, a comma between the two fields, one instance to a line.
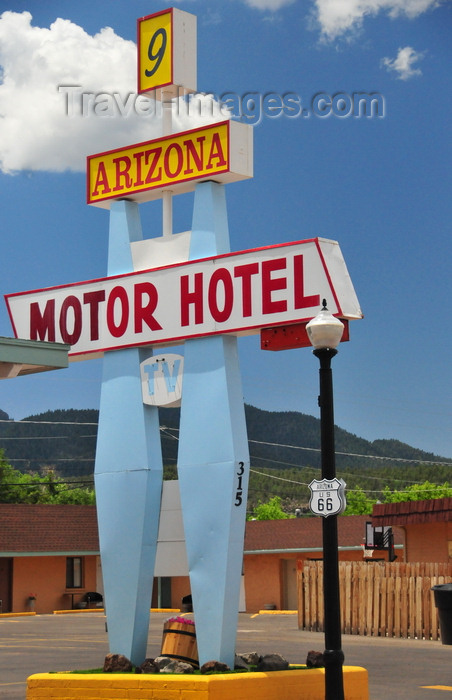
x=167, y=52
x=154, y=51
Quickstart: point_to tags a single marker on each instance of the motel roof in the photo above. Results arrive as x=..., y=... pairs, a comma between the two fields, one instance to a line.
x=47, y=529
x=304, y=534
x=412, y=512
x=56, y=529
x=18, y=356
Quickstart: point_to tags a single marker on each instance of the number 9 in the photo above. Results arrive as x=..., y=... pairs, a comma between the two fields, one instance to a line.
x=158, y=55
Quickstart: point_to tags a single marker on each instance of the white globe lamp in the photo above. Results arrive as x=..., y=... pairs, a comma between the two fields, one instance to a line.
x=325, y=331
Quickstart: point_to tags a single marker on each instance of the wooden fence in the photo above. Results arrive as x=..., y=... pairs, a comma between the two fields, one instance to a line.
x=377, y=598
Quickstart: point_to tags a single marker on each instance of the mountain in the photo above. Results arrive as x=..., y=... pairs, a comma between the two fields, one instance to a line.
x=65, y=440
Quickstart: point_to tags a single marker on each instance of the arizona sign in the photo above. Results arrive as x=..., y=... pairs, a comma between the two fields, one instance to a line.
x=237, y=293
x=220, y=152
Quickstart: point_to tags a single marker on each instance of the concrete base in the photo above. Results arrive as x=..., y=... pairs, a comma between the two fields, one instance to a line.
x=303, y=684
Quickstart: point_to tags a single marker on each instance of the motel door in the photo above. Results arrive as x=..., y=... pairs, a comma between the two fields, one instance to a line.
x=6, y=576
x=290, y=595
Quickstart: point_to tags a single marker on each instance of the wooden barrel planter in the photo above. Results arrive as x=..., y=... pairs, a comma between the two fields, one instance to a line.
x=179, y=641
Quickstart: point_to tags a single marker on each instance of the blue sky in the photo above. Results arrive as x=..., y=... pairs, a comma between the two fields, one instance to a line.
x=379, y=185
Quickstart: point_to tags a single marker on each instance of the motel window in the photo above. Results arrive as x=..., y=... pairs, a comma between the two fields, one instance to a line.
x=74, y=572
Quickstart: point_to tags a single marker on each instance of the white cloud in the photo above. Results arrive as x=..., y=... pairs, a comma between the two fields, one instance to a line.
x=403, y=63
x=339, y=17
x=272, y=5
x=36, y=63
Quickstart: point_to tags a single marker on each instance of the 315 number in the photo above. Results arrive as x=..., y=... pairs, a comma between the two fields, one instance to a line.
x=239, y=492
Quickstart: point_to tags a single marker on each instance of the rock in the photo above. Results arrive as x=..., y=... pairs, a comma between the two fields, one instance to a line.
x=272, y=662
x=162, y=661
x=214, y=667
x=251, y=658
x=239, y=663
x=176, y=666
x=148, y=666
x=117, y=663
x=314, y=659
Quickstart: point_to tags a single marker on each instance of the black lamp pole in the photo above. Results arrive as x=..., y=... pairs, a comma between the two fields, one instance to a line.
x=333, y=654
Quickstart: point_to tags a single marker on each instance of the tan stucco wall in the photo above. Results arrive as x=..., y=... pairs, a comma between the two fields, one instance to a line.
x=46, y=577
x=180, y=587
x=262, y=581
x=264, y=575
x=428, y=542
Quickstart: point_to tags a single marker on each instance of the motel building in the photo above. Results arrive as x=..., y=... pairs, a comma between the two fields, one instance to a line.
x=50, y=559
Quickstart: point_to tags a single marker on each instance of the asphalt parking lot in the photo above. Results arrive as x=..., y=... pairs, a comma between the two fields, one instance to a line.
x=398, y=668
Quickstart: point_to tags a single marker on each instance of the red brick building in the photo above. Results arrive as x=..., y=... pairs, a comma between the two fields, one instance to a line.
x=52, y=552
x=274, y=549
x=427, y=527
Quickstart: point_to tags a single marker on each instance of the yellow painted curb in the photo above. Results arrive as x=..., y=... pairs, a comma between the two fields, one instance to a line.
x=18, y=614
x=278, y=612
x=77, y=611
x=276, y=685
x=92, y=610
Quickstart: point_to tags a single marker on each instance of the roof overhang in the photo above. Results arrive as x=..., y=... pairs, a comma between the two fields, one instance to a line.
x=73, y=553
x=309, y=550
x=405, y=513
x=19, y=357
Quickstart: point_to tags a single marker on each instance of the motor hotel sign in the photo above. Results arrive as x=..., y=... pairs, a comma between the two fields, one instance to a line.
x=237, y=293
x=220, y=152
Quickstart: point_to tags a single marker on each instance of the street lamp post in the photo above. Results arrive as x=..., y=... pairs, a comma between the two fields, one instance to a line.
x=325, y=333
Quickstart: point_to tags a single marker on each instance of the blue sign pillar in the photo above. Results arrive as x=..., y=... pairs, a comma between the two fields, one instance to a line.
x=213, y=460
x=128, y=472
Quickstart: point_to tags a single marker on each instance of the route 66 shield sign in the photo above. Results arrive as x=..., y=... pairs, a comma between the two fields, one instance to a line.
x=327, y=497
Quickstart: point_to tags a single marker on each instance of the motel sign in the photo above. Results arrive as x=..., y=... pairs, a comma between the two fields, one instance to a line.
x=237, y=294
x=157, y=295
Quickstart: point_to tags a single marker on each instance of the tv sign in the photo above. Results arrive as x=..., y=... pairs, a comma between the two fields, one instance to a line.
x=161, y=380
